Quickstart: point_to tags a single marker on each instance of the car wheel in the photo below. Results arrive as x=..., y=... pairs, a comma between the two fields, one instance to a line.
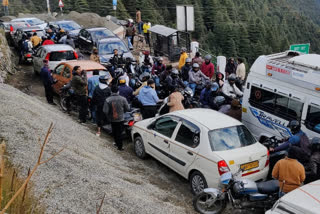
x=139, y=148
x=197, y=183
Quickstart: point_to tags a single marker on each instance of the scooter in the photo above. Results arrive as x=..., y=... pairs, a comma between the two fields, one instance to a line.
x=239, y=192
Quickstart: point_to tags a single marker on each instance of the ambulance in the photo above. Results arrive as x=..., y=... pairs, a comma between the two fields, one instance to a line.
x=280, y=88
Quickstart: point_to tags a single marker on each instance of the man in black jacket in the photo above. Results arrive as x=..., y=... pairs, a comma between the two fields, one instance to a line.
x=47, y=80
x=100, y=94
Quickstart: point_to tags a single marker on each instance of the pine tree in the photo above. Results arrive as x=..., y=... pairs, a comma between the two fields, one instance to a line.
x=244, y=43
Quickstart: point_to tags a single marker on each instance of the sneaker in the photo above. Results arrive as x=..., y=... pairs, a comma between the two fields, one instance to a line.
x=98, y=134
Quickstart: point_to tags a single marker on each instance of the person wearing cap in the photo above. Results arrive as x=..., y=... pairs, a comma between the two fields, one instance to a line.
x=196, y=77
x=125, y=90
x=47, y=80
x=36, y=40
x=205, y=94
x=183, y=57
x=289, y=172
x=207, y=67
x=235, y=111
x=148, y=98
x=94, y=56
x=158, y=67
x=100, y=94
x=230, y=89
x=185, y=71
x=114, y=108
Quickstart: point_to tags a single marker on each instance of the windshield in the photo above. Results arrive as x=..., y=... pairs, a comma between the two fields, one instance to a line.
x=34, y=21
x=69, y=26
x=101, y=34
x=101, y=73
x=230, y=138
x=62, y=55
x=19, y=25
x=107, y=48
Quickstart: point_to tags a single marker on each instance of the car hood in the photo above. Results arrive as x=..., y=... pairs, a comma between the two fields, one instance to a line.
x=73, y=33
x=107, y=57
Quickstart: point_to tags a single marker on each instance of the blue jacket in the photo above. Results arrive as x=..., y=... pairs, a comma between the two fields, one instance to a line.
x=93, y=82
x=46, y=76
x=126, y=92
x=205, y=96
x=293, y=140
x=148, y=96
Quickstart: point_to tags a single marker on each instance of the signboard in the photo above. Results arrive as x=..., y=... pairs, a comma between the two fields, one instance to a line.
x=185, y=17
x=303, y=48
x=61, y=3
x=114, y=2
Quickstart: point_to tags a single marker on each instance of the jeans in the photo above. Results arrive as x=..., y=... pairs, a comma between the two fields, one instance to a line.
x=193, y=87
x=83, y=112
x=49, y=93
x=117, y=129
x=140, y=24
x=129, y=38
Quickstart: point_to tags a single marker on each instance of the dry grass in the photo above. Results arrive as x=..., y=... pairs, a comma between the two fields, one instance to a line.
x=24, y=203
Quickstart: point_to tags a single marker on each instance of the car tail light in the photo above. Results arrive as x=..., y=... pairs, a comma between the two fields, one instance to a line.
x=28, y=55
x=11, y=28
x=48, y=56
x=131, y=123
x=223, y=167
x=75, y=55
x=268, y=159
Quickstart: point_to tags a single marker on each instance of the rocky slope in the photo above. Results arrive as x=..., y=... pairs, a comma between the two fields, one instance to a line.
x=6, y=65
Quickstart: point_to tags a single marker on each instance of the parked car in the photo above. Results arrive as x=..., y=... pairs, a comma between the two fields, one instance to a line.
x=17, y=36
x=304, y=200
x=32, y=22
x=70, y=26
x=55, y=54
x=201, y=145
x=106, y=47
x=10, y=28
x=63, y=72
x=88, y=38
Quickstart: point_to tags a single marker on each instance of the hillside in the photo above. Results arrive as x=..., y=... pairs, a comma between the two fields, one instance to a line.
x=245, y=28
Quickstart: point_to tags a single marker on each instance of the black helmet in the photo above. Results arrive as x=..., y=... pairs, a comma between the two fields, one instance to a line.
x=214, y=87
x=144, y=76
x=294, y=126
x=175, y=72
x=119, y=72
x=315, y=144
x=232, y=77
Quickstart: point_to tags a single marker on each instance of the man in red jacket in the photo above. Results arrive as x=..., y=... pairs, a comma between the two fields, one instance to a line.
x=207, y=67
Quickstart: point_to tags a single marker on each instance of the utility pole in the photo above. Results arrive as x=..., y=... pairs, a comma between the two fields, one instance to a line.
x=48, y=6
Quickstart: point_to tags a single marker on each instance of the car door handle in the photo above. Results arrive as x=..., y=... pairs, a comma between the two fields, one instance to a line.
x=190, y=153
x=166, y=141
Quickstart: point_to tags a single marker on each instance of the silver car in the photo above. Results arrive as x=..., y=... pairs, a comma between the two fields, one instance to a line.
x=32, y=22
x=54, y=54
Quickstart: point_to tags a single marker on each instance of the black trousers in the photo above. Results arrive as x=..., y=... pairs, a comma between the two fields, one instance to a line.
x=117, y=129
x=83, y=111
x=149, y=111
x=49, y=93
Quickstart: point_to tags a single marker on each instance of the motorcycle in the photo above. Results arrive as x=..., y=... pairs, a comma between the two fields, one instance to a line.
x=239, y=192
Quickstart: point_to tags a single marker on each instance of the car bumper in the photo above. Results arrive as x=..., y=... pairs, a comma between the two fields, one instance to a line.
x=258, y=176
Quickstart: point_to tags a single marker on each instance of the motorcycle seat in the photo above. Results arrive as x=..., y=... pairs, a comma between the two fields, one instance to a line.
x=268, y=187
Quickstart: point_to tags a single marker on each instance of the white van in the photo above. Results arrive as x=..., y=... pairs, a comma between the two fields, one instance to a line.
x=279, y=88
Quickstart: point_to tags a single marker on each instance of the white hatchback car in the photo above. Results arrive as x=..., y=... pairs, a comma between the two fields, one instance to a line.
x=303, y=200
x=201, y=145
x=32, y=22
x=55, y=54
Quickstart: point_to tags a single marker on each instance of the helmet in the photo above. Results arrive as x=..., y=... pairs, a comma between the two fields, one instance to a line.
x=119, y=72
x=315, y=144
x=208, y=57
x=144, y=76
x=214, y=87
x=232, y=77
x=105, y=78
x=160, y=59
x=294, y=126
x=122, y=80
x=219, y=100
x=195, y=65
x=175, y=72
x=208, y=83
x=183, y=49
x=130, y=20
x=188, y=60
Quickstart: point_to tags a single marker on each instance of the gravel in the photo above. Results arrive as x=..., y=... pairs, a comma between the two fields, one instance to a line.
x=88, y=168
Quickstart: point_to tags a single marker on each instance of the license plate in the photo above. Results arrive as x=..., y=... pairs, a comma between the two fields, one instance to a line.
x=251, y=165
x=29, y=59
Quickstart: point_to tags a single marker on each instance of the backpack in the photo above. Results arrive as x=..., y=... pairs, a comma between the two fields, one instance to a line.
x=25, y=45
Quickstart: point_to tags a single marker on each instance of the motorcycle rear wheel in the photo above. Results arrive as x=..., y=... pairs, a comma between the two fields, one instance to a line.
x=207, y=204
x=63, y=103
